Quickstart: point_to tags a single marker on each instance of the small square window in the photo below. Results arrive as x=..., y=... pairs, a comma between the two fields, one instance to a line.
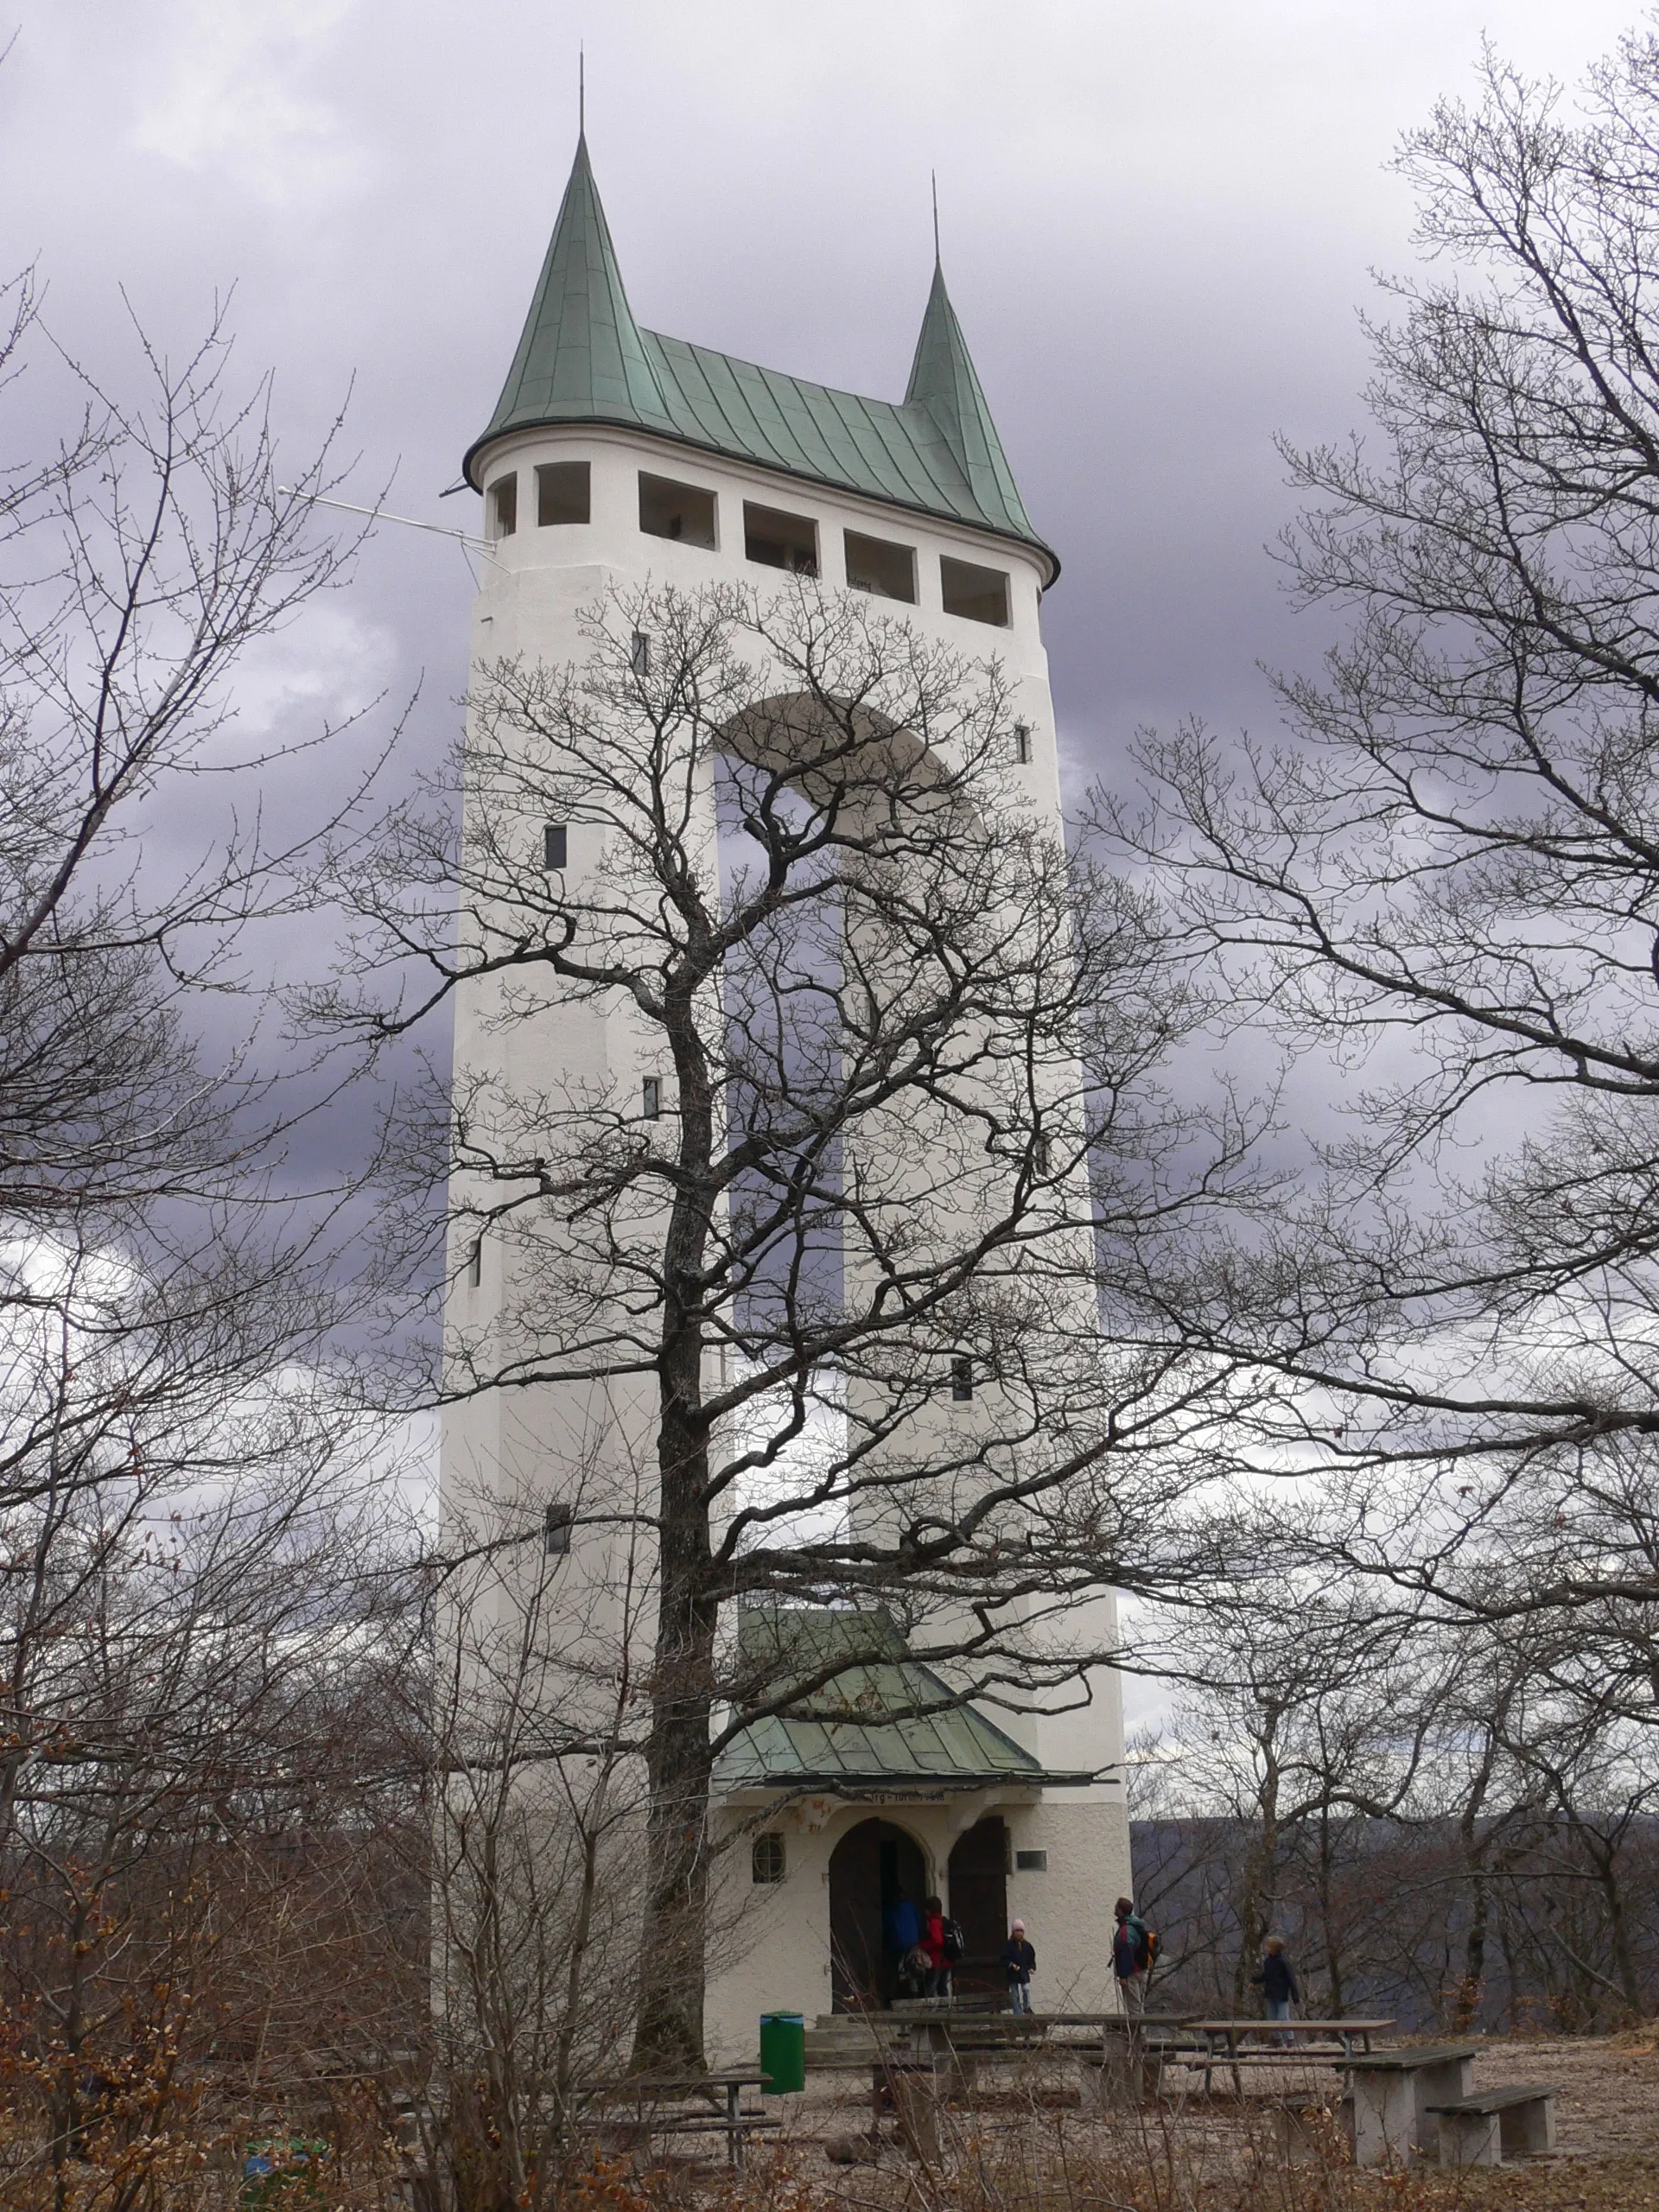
x=962, y=1378
x=683, y=511
x=555, y=846
x=876, y=565
x=980, y=595
x=652, y=1105
x=556, y=1531
x=639, y=654
x=504, y=506
x=767, y=1859
x=1030, y=1862
x=1022, y=743
x=562, y=493
x=780, y=541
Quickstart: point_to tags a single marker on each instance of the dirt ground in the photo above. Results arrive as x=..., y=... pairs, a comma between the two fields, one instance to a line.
x=1022, y=2139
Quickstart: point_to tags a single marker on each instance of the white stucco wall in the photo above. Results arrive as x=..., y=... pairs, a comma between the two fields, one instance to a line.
x=770, y=1943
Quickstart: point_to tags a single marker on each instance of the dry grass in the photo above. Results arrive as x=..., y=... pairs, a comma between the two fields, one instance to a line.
x=1018, y=2148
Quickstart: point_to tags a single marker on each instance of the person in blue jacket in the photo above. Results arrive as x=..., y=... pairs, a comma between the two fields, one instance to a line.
x=901, y=1931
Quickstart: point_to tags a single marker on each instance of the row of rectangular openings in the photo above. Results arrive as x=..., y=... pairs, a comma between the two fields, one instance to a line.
x=563, y=494
x=980, y=595
x=876, y=565
x=778, y=540
x=681, y=511
x=771, y=537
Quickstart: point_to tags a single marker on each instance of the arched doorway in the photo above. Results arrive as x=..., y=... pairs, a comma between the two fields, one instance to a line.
x=979, y=1900
x=868, y=1869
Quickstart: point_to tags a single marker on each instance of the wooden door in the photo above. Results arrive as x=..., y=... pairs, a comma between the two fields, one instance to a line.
x=979, y=1900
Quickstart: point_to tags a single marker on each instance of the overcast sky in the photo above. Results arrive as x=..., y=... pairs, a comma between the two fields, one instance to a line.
x=1158, y=224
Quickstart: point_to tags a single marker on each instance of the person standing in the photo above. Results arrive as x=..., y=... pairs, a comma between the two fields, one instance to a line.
x=1280, y=1986
x=901, y=1930
x=1131, y=1956
x=938, y=1969
x=1018, y=1959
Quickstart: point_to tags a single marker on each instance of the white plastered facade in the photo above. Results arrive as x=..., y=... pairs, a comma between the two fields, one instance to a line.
x=773, y=1949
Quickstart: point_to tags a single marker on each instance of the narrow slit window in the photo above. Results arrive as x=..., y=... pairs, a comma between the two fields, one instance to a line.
x=780, y=541
x=504, y=506
x=876, y=565
x=639, y=654
x=475, y=1264
x=556, y=1529
x=562, y=493
x=978, y=594
x=767, y=1862
x=682, y=511
x=1022, y=743
x=962, y=1378
x=555, y=846
x=1039, y=1155
x=651, y=1098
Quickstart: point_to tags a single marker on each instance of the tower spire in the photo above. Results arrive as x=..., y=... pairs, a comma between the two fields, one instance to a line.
x=943, y=380
x=581, y=357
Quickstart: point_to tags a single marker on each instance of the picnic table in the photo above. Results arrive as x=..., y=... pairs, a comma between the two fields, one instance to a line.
x=722, y=2087
x=1397, y=2095
x=1222, y=2044
x=946, y=2042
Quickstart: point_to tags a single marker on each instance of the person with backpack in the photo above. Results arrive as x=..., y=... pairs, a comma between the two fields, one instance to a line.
x=933, y=1943
x=1018, y=1959
x=1133, y=1949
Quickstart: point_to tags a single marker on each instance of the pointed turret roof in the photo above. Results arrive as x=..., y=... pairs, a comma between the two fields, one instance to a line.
x=583, y=359
x=943, y=379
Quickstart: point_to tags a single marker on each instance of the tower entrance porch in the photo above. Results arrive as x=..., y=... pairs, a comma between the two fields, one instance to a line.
x=870, y=1868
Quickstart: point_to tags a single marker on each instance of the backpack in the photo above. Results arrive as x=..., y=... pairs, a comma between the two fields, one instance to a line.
x=1147, y=1947
x=955, y=1942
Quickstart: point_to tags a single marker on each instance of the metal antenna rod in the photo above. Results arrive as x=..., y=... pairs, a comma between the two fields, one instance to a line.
x=380, y=514
x=934, y=177
x=581, y=92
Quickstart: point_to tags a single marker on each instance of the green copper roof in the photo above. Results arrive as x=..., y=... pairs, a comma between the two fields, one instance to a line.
x=583, y=359
x=884, y=1721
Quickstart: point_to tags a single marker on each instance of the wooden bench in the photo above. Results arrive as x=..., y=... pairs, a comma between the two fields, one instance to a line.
x=1125, y=2070
x=1488, y=2125
x=606, y=2104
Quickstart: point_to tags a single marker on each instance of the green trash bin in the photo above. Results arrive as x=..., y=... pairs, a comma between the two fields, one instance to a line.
x=783, y=2052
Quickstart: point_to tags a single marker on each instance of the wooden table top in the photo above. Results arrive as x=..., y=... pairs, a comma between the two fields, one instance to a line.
x=686, y=2084
x=1427, y=2054
x=1279, y=2027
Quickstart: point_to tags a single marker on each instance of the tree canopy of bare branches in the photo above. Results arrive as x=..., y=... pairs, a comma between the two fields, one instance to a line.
x=835, y=1288
x=1443, y=889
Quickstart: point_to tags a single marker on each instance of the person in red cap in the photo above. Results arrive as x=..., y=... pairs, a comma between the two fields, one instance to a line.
x=1018, y=1959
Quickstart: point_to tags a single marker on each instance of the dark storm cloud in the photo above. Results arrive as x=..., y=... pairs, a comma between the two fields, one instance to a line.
x=1157, y=224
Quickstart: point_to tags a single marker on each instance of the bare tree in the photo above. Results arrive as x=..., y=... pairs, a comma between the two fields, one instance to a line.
x=835, y=1285
x=192, y=1514
x=200, y=1783
x=1449, y=875
x=141, y=1125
